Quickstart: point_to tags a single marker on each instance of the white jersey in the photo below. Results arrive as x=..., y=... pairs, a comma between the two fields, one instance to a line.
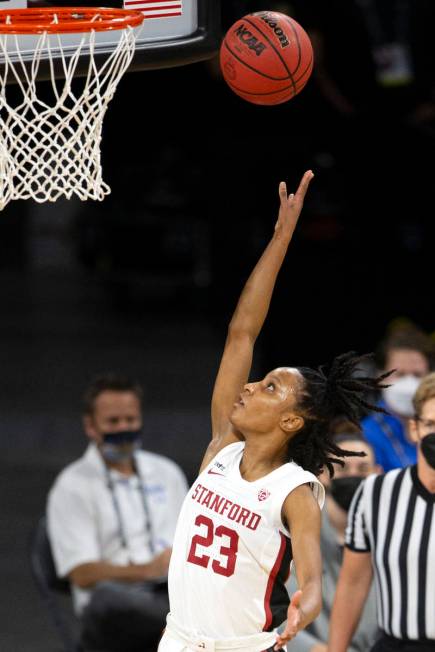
x=231, y=554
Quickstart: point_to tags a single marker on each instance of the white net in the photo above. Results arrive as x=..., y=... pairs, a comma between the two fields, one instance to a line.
x=51, y=148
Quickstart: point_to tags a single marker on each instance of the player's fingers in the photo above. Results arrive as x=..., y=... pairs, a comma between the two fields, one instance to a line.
x=282, y=191
x=305, y=182
x=290, y=630
x=284, y=638
x=287, y=634
x=280, y=643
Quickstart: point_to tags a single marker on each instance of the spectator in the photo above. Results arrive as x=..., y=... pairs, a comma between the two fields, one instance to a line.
x=390, y=533
x=408, y=351
x=339, y=493
x=111, y=520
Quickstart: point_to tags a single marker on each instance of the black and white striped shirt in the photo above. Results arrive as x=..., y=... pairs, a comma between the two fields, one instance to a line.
x=393, y=517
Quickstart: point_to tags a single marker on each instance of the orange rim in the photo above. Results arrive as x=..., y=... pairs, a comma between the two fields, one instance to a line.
x=69, y=20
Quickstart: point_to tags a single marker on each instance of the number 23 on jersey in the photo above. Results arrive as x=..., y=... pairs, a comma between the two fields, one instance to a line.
x=228, y=550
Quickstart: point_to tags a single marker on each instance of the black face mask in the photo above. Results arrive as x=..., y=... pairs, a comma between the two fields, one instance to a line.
x=343, y=490
x=120, y=446
x=122, y=437
x=428, y=448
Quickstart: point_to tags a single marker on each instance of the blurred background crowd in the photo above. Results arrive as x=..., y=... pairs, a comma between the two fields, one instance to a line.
x=145, y=282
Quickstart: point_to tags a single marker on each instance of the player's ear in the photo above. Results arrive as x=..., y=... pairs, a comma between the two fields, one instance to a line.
x=291, y=423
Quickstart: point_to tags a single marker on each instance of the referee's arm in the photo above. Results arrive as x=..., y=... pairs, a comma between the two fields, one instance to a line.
x=353, y=587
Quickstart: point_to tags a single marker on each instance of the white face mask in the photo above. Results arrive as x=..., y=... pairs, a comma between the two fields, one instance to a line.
x=399, y=396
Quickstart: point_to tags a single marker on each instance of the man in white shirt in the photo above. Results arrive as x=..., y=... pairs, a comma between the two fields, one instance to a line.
x=111, y=520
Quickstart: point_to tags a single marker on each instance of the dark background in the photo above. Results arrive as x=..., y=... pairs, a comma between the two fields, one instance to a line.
x=145, y=282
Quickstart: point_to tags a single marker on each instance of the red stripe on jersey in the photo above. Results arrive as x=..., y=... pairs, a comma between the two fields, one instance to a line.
x=271, y=582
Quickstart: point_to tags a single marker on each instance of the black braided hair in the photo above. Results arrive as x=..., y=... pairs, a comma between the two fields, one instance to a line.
x=327, y=392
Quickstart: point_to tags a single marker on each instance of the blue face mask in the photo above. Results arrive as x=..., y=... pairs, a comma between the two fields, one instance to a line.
x=120, y=446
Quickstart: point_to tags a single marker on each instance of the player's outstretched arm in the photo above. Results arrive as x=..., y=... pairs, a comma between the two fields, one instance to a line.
x=249, y=317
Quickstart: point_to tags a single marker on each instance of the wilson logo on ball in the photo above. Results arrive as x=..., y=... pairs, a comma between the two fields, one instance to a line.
x=251, y=41
x=283, y=40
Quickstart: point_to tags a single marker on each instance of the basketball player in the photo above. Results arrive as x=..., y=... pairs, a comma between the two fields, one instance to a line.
x=256, y=503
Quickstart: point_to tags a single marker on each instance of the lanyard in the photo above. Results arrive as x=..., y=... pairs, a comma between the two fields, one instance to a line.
x=117, y=508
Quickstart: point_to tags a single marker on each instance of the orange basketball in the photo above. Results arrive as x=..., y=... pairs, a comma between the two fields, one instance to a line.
x=266, y=57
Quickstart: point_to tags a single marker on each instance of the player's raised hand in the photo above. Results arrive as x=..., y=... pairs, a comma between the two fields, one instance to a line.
x=293, y=624
x=291, y=205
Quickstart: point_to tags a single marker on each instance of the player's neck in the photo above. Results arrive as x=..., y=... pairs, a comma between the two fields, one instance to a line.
x=259, y=459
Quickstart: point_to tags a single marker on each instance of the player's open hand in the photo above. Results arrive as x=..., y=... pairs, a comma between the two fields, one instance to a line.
x=291, y=205
x=293, y=624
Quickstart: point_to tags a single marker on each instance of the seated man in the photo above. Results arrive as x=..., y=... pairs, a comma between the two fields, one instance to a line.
x=339, y=493
x=111, y=520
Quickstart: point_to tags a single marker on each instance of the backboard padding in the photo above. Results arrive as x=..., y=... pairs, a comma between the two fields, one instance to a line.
x=174, y=32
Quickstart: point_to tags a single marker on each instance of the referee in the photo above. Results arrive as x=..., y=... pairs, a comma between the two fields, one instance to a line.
x=391, y=534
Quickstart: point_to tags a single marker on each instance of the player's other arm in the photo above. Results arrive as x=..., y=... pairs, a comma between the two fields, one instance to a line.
x=351, y=594
x=248, y=319
x=301, y=513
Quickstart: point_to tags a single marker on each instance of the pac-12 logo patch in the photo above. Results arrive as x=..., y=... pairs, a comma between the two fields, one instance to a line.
x=263, y=494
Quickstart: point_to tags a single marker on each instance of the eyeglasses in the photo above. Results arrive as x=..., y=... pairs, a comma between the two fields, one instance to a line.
x=426, y=423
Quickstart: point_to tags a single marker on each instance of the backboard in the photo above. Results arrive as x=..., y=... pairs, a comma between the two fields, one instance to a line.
x=174, y=32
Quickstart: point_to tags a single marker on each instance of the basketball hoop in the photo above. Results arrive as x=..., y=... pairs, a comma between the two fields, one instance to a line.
x=51, y=148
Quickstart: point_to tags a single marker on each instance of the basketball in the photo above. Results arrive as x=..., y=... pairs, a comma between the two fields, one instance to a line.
x=266, y=58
